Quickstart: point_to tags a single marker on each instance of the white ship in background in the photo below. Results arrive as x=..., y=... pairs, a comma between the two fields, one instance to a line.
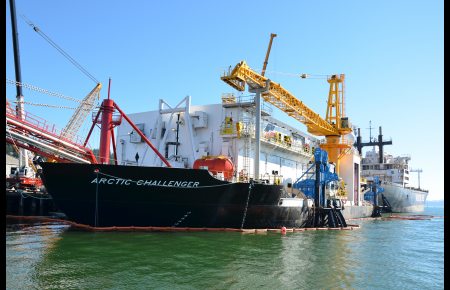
x=394, y=173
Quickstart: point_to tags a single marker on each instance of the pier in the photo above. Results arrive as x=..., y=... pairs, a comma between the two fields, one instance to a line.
x=29, y=203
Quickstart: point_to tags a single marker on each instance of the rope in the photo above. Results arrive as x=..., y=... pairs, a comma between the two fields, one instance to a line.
x=96, y=203
x=40, y=90
x=44, y=105
x=25, y=195
x=301, y=75
x=65, y=54
x=246, y=204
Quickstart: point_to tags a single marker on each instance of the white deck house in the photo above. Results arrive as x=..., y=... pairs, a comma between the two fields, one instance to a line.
x=184, y=133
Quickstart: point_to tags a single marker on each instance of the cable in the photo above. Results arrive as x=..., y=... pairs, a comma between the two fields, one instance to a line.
x=40, y=90
x=47, y=92
x=44, y=105
x=65, y=54
x=302, y=76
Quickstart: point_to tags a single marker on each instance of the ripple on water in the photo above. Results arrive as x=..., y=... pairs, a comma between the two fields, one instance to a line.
x=392, y=254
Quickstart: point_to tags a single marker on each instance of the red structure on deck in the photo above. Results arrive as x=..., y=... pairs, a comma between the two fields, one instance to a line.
x=108, y=121
x=37, y=135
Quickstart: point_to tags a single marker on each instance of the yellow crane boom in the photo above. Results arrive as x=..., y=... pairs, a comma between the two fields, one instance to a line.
x=266, y=61
x=281, y=98
x=335, y=125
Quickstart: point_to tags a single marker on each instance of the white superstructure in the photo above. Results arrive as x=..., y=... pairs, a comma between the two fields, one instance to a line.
x=394, y=173
x=218, y=129
x=185, y=133
x=393, y=169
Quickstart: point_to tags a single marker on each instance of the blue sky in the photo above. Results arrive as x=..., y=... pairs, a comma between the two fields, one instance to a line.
x=392, y=53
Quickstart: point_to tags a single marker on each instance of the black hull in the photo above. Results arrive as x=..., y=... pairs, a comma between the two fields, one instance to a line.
x=164, y=197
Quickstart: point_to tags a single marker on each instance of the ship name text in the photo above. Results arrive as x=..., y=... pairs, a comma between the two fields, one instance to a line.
x=122, y=181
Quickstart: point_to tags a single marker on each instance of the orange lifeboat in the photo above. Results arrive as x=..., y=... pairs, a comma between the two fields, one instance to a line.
x=216, y=165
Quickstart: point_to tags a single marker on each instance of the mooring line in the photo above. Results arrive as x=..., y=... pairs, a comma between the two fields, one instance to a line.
x=96, y=202
x=246, y=204
x=25, y=195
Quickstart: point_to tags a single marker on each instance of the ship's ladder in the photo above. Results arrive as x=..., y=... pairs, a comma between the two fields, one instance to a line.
x=246, y=155
x=246, y=136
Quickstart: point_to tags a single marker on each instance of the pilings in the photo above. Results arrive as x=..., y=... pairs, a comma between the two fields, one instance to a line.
x=29, y=203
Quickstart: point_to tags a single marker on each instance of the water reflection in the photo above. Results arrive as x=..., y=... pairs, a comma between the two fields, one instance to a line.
x=26, y=245
x=200, y=260
x=382, y=254
x=318, y=259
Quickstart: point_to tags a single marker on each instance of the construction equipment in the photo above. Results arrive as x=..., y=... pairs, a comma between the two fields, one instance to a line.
x=322, y=184
x=24, y=177
x=334, y=127
x=327, y=178
x=372, y=195
x=77, y=119
x=272, y=36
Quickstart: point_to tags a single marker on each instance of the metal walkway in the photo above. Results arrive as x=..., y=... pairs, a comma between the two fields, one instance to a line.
x=35, y=134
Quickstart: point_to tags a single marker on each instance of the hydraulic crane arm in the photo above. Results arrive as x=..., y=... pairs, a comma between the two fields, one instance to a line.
x=266, y=61
x=281, y=98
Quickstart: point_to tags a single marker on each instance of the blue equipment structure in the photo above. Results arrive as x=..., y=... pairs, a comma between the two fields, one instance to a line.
x=307, y=185
x=375, y=188
x=372, y=196
x=327, y=212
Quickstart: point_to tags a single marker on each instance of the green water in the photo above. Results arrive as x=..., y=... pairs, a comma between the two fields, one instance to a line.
x=395, y=254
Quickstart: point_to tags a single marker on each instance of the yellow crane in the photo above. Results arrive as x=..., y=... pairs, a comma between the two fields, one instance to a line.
x=266, y=61
x=333, y=127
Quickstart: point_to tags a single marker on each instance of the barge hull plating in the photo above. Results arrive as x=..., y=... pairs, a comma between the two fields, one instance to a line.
x=115, y=195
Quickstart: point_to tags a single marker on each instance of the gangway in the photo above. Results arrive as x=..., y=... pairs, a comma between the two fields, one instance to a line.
x=35, y=134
